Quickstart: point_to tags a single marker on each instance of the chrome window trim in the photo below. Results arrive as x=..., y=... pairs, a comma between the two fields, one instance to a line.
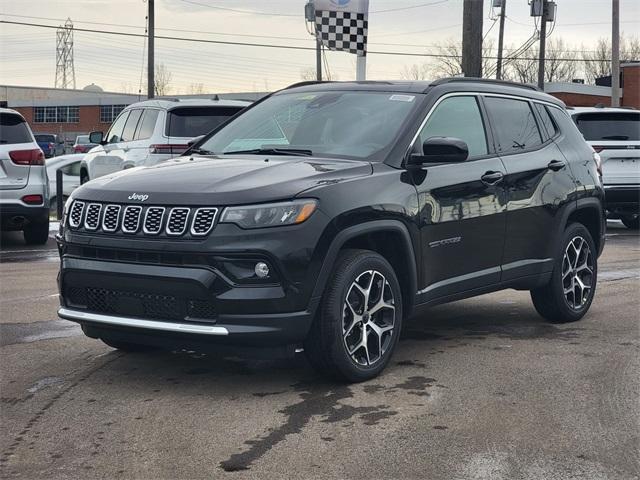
x=213, y=221
x=144, y=222
x=106, y=207
x=186, y=221
x=86, y=216
x=124, y=216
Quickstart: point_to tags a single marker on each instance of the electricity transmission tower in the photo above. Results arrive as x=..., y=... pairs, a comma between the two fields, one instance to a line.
x=65, y=71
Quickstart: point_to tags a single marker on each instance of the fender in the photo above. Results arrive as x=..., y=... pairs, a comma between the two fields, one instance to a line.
x=369, y=227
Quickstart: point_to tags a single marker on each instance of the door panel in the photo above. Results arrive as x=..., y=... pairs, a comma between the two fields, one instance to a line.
x=462, y=215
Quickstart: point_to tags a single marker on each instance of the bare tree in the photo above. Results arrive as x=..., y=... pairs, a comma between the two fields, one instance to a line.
x=560, y=64
x=448, y=63
x=162, y=80
x=196, y=89
x=308, y=74
x=416, y=72
x=597, y=62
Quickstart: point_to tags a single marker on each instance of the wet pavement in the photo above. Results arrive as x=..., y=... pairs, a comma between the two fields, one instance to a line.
x=481, y=389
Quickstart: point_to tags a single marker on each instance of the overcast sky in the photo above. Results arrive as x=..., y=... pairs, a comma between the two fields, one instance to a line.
x=27, y=54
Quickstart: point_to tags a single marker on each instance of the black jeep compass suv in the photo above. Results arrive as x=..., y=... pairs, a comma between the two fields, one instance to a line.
x=323, y=215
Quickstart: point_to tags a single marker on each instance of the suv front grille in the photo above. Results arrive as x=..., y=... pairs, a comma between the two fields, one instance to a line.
x=142, y=220
x=139, y=304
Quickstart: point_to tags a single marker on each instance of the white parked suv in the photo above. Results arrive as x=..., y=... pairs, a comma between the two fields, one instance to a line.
x=615, y=134
x=24, y=187
x=152, y=131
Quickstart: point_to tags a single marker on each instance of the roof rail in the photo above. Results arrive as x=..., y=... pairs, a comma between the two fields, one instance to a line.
x=307, y=82
x=491, y=81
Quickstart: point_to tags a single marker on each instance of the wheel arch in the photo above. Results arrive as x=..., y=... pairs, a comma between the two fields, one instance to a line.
x=590, y=213
x=389, y=238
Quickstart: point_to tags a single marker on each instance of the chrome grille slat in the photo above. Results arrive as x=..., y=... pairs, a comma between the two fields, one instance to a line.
x=131, y=219
x=92, y=217
x=111, y=218
x=177, y=221
x=75, y=214
x=203, y=220
x=153, y=220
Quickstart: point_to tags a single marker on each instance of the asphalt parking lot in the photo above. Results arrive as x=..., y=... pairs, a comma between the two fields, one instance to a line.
x=479, y=389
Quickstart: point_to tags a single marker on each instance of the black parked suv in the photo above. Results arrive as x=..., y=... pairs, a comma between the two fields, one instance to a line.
x=326, y=213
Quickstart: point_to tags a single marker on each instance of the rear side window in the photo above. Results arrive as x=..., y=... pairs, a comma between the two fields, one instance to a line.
x=457, y=117
x=130, y=126
x=514, y=125
x=547, y=123
x=13, y=129
x=609, y=126
x=196, y=121
x=147, y=124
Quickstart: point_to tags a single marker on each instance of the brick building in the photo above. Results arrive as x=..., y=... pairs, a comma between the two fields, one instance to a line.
x=580, y=95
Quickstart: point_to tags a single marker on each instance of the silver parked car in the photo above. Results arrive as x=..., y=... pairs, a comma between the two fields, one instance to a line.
x=24, y=186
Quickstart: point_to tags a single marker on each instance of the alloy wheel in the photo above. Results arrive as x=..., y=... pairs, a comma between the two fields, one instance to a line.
x=368, y=318
x=577, y=273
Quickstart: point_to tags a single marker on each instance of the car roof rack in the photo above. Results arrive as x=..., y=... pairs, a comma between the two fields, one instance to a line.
x=490, y=81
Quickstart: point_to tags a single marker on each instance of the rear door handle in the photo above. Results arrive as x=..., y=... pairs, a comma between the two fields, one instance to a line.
x=555, y=165
x=491, y=178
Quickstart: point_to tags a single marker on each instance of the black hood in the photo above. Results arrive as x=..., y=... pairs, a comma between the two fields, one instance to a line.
x=222, y=180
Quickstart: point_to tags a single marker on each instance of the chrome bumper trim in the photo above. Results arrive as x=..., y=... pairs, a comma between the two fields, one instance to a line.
x=78, y=316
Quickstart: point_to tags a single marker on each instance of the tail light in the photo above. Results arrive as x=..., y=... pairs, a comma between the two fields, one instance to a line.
x=168, y=148
x=27, y=157
x=78, y=149
x=32, y=199
x=598, y=148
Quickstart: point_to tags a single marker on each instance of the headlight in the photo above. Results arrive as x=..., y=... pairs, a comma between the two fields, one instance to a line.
x=270, y=215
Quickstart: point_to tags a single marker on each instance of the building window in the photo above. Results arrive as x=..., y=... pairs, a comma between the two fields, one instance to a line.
x=108, y=113
x=56, y=114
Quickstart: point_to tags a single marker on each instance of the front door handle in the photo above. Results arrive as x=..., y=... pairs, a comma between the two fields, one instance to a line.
x=555, y=165
x=491, y=177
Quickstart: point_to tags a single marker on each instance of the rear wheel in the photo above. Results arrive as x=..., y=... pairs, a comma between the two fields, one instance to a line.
x=632, y=222
x=36, y=233
x=360, y=317
x=568, y=295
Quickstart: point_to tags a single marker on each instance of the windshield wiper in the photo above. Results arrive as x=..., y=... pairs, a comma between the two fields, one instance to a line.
x=274, y=151
x=201, y=151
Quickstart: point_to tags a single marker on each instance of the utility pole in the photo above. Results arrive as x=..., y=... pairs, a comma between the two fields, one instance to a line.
x=543, y=44
x=472, y=16
x=503, y=11
x=150, y=53
x=615, y=54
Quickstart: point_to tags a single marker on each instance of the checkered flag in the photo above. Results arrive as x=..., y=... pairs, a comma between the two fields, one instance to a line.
x=343, y=31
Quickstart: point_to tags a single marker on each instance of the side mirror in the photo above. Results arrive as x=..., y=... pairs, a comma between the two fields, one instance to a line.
x=96, y=137
x=441, y=150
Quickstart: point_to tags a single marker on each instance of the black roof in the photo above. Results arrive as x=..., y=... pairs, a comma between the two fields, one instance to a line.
x=445, y=85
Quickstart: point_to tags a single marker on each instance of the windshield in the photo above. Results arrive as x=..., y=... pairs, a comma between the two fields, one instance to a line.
x=352, y=124
x=82, y=139
x=609, y=126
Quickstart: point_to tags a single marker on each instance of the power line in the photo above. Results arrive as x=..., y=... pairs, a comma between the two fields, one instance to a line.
x=263, y=45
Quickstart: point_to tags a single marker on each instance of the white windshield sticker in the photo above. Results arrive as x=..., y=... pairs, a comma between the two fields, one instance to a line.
x=402, y=98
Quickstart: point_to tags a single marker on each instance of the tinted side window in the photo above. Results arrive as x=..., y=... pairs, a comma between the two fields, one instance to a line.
x=547, y=123
x=195, y=121
x=130, y=126
x=515, y=127
x=115, y=132
x=13, y=129
x=457, y=117
x=147, y=124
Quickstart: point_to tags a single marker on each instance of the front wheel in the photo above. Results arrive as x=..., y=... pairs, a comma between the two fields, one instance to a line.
x=568, y=295
x=360, y=317
x=632, y=222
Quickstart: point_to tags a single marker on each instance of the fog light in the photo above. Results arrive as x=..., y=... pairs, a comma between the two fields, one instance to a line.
x=262, y=270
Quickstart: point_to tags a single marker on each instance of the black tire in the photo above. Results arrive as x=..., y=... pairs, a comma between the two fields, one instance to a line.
x=551, y=301
x=632, y=222
x=325, y=346
x=126, y=346
x=36, y=233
